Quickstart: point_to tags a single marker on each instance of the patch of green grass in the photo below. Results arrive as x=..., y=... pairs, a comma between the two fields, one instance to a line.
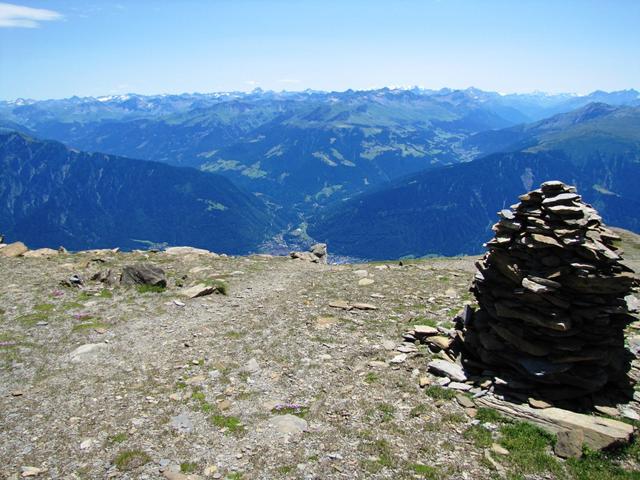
x=388, y=411
x=480, y=436
x=128, y=460
x=384, y=453
x=234, y=476
x=419, y=410
x=529, y=450
x=83, y=296
x=371, y=377
x=421, y=320
x=32, y=319
x=604, y=465
x=221, y=286
x=9, y=349
x=83, y=327
x=230, y=423
x=285, y=469
x=104, y=293
x=188, y=467
x=117, y=438
x=453, y=418
x=44, y=307
x=150, y=289
x=438, y=393
x=234, y=335
x=72, y=306
x=291, y=409
x=425, y=471
x=489, y=415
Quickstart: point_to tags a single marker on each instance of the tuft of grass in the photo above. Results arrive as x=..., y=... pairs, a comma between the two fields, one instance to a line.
x=83, y=327
x=528, y=450
x=104, y=293
x=117, y=438
x=419, y=410
x=31, y=319
x=385, y=455
x=150, y=289
x=604, y=465
x=234, y=334
x=388, y=411
x=453, y=418
x=371, y=377
x=438, y=393
x=201, y=399
x=221, y=285
x=72, y=306
x=188, y=467
x=44, y=307
x=83, y=296
x=128, y=460
x=421, y=320
x=489, y=415
x=285, y=469
x=290, y=408
x=425, y=471
x=479, y=436
x=230, y=423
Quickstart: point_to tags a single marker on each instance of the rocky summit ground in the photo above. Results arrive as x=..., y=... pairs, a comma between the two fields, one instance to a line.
x=267, y=381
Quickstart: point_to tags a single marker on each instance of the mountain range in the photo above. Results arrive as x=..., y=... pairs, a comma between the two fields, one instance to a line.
x=378, y=174
x=450, y=210
x=52, y=195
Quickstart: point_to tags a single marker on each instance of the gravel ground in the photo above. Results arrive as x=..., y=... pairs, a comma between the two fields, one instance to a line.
x=207, y=386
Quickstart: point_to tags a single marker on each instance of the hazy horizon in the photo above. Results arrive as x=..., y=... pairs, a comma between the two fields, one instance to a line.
x=64, y=48
x=301, y=90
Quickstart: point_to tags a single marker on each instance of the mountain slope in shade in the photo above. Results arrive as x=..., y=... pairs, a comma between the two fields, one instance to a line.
x=450, y=210
x=50, y=195
x=594, y=127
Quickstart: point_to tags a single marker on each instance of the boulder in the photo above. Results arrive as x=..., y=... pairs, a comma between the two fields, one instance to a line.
x=199, y=290
x=448, y=369
x=319, y=250
x=187, y=251
x=316, y=254
x=288, y=424
x=143, y=274
x=108, y=277
x=15, y=249
x=41, y=253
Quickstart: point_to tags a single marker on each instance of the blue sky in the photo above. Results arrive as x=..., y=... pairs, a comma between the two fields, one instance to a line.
x=60, y=48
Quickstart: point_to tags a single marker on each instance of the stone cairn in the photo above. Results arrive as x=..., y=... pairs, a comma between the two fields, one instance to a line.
x=551, y=293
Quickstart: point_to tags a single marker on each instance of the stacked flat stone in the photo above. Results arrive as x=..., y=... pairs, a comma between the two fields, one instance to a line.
x=551, y=294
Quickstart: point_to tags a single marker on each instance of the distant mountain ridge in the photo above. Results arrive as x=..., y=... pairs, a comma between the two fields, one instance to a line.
x=300, y=150
x=363, y=170
x=51, y=195
x=450, y=210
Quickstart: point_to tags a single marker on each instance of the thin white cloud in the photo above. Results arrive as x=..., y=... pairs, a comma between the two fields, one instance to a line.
x=19, y=16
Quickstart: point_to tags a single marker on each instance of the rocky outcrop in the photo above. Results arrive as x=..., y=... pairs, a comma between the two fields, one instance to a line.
x=143, y=274
x=551, y=292
x=15, y=249
x=41, y=253
x=316, y=254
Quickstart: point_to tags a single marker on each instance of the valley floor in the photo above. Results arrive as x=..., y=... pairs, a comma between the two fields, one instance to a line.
x=204, y=388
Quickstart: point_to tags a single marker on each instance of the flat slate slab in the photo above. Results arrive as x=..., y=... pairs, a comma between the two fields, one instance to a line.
x=599, y=432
